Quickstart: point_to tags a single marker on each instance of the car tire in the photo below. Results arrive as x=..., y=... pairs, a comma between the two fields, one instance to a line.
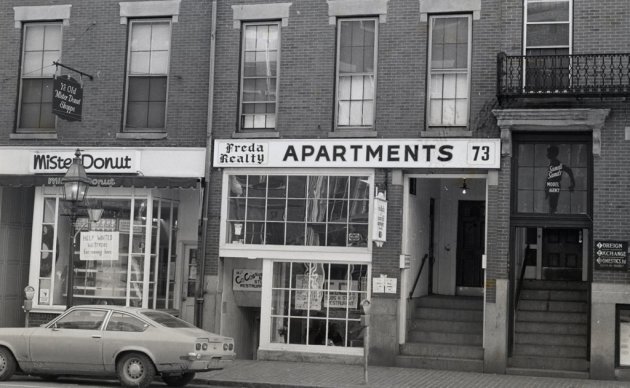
x=179, y=380
x=135, y=370
x=7, y=364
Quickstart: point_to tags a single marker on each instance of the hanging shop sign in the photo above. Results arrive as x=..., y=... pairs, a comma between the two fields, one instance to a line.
x=611, y=255
x=368, y=153
x=102, y=246
x=67, y=98
x=109, y=161
x=379, y=220
x=247, y=280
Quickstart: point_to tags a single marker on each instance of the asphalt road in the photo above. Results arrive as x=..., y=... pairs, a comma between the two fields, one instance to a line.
x=73, y=382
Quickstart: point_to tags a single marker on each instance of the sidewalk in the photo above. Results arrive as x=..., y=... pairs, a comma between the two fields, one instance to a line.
x=278, y=374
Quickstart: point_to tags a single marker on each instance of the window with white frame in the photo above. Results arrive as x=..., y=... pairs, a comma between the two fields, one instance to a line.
x=119, y=268
x=317, y=303
x=311, y=210
x=548, y=36
x=41, y=47
x=147, y=74
x=449, y=70
x=356, y=71
x=259, y=75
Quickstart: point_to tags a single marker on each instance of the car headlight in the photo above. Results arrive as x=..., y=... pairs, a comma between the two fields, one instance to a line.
x=204, y=346
x=198, y=346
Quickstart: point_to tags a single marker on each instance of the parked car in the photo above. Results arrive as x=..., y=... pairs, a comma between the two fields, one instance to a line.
x=131, y=343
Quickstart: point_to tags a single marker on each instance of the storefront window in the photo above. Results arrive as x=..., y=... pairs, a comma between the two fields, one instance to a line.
x=623, y=335
x=317, y=303
x=298, y=210
x=552, y=178
x=109, y=257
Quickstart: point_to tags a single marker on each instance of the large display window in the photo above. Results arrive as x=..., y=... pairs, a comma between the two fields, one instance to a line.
x=126, y=258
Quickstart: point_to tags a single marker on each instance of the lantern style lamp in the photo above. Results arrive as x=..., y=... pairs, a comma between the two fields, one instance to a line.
x=76, y=181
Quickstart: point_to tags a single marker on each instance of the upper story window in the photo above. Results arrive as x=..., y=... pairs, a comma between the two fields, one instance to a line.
x=356, y=72
x=449, y=70
x=548, y=26
x=41, y=47
x=147, y=74
x=259, y=75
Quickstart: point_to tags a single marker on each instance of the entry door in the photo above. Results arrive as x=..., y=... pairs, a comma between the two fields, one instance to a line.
x=562, y=254
x=470, y=243
x=189, y=282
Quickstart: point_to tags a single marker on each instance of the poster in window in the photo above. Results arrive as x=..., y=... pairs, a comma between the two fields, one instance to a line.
x=339, y=298
x=309, y=284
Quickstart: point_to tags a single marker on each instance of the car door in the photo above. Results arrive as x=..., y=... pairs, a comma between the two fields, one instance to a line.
x=123, y=331
x=72, y=345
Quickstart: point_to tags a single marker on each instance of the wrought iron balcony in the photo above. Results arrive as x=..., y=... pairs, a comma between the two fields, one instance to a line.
x=582, y=75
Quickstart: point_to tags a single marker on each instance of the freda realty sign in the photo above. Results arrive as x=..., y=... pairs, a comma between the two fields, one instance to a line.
x=105, y=161
x=367, y=153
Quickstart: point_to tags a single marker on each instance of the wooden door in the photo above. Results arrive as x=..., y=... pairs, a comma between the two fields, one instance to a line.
x=470, y=243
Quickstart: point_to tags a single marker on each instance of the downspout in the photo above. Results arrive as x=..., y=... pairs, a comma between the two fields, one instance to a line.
x=199, y=300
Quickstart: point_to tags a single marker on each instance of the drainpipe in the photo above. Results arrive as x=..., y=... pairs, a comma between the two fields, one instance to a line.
x=206, y=190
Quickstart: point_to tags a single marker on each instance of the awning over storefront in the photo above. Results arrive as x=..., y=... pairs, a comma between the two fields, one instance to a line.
x=102, y=181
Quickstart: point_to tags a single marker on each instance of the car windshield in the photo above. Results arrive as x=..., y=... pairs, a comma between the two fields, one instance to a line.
x=166, y=319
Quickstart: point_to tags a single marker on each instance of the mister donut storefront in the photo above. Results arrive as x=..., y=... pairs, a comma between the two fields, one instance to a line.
x=139, y=253
x=326, y=224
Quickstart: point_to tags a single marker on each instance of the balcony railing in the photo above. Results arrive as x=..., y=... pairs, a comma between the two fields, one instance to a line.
x=582, y=75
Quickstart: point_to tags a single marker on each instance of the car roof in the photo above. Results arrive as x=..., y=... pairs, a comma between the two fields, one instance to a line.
x=111, y=307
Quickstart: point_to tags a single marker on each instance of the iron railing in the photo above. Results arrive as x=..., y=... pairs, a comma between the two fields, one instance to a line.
x=578, y=75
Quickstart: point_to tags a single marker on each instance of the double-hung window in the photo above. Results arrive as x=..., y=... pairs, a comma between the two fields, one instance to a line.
x=41, y=47
x=259, y=76
x=547, y=45
x=356, y=72
x=449, y=70
x=147, y=74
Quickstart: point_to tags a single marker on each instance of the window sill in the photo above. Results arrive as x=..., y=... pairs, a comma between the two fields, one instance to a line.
x=32, y=136
x=446, y=132
x=142, y=135
x=256, y=135
x=357, y=132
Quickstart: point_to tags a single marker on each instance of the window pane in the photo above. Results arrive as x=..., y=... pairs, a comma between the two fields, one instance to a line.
x=139, y=89
x=548, y=34
x=82, y=319
x=155, y=117
x=436, y=112
x=449, y=85
x=448, y=111
x=34, y=39
x=557, y=11
x=141, y=37
x=344, y=113
x=160, y=36
x=461, y=112
x=297, y=187
x=32, y=66
x=159, y=62
x=344, y=87
x=436, y=85
x=356, y=112
x=140, y=62
x=137, y=114
x=157, y=91
x=48, y=68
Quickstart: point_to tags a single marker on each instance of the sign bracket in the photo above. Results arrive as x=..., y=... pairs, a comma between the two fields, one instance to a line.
x=75, y=70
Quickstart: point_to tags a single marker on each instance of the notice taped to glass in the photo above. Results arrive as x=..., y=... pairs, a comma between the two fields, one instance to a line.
x=611, y=255
x=67, y=98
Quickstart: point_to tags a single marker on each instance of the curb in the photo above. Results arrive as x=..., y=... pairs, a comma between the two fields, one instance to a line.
x=251, y=384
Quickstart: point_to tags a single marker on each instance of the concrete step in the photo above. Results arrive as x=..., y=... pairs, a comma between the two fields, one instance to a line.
x=447, y=314
x=555, y=306
x=550, y=339
x=465, y=365
x=554, y=285
x=574, y=296
x=549, y=363
x=446, y=326
x=451, y=302
x=551, y=328
x=550, y=350
x=445, y=338
x=442, y=350
x=567, y=374
x=552, y=317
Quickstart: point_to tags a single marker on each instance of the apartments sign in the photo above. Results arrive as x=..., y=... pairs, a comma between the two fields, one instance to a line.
x=367, y=153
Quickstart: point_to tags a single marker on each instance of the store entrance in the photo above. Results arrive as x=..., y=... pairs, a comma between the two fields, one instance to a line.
x=470, y=243
x=562, y=254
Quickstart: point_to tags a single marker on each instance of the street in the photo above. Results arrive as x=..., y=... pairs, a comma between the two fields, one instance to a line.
x=22, y=381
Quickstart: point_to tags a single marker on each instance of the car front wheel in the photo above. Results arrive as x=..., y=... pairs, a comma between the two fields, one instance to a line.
x=135, y=370
x=179, y=380
x=7, y=364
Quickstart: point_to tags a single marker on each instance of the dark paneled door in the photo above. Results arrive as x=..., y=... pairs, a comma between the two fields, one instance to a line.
x=470, y=243
x=562, y=254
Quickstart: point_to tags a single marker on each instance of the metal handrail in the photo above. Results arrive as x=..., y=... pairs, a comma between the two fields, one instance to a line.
x=424, y=260
x=576, y=75
x=519, y=284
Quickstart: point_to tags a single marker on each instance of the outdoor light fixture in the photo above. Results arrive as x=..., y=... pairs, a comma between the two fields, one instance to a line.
x=464, y=187
x=76, y=181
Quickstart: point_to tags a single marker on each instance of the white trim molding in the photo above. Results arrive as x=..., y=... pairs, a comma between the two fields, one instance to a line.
x=449, y=6
x=548, y=120
x=149, y=9
x=41, y=13
x=253, y=12
x=337, y=8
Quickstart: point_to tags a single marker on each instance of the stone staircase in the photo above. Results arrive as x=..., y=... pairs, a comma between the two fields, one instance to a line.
x=551, y=330
x=445, y=333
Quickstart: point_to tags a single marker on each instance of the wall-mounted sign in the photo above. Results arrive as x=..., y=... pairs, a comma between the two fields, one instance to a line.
x=384, y=285
x=611, y=255
x=247, y=280
x=67, y=98
x=379, y=220
x=393, y=153
x=110, y=161
x=101, y=246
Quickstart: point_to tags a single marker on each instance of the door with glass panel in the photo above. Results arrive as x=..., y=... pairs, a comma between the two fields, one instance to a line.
x=189, y=282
